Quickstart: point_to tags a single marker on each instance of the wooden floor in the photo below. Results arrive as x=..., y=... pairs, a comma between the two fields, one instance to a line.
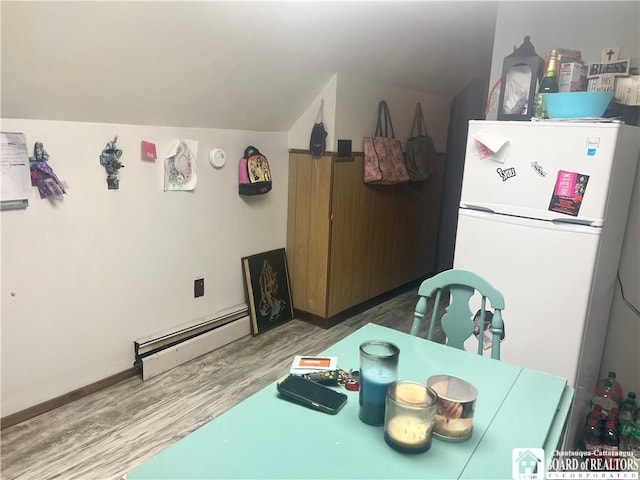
x=106, y=434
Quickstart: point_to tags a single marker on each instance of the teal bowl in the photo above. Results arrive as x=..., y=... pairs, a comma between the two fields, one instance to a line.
x=576, y=104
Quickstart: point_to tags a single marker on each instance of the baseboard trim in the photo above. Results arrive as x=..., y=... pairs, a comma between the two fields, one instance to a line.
x=328, y=322
x=44, y=407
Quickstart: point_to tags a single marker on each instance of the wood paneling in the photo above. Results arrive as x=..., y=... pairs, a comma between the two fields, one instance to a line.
x=308, y=230
x=349, y=242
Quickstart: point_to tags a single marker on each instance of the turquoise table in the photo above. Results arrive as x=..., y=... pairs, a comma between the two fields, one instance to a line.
x=266, y=437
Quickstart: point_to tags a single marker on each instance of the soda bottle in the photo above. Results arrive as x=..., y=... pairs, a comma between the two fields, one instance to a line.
x=605, y=397
x=631, y=398
x=596, y=412
x=592, y=435
x=635, y=444
x=610, y=438
x=613, y=415
x=626, y=426
x=616, y=388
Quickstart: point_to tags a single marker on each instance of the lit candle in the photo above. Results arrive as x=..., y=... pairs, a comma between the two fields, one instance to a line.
x=410, y=415
x=408, y=432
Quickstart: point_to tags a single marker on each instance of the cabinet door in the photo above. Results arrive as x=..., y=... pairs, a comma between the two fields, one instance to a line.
x=308, y=231
x=352, y=228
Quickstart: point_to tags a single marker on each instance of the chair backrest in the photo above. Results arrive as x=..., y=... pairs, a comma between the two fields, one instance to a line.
x=457, y=322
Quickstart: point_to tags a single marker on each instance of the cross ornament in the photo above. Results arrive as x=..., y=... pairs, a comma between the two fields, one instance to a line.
x=602, y=76
x=610, y=54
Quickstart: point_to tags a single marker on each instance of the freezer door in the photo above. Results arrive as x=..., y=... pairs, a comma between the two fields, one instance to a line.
x=549, y=171
x=545, y=273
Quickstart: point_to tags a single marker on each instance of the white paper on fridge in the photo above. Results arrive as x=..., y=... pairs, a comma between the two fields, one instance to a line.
x=308, y=364
x=491, y=146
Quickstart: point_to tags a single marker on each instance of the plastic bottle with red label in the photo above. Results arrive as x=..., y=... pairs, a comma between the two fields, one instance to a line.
x=615, y=392
x=606, y=397
x=592, y=435
x=610, y=438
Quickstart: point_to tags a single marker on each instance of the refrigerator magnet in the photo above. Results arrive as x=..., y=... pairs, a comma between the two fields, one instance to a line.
x=491, y=146
x=538, y=169
x=568, y=192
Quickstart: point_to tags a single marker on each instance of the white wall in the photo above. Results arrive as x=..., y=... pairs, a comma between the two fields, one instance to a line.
x=589, y=27
x=84, y=277
x=300, y=132
x=357, y=111
x=351, y=109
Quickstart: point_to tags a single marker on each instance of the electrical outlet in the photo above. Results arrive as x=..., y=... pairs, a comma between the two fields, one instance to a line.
x=198, y=287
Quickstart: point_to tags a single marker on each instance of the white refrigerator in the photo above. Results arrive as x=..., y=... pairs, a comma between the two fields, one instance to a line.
x=542, y=216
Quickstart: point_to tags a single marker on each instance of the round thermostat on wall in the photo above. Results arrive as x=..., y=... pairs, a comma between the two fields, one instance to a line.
x=217, y=158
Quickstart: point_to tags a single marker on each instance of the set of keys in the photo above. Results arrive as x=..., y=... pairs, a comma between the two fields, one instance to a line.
x=347, y=379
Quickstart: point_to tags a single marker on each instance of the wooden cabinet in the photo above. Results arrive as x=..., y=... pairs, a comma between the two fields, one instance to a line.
x=348, y=242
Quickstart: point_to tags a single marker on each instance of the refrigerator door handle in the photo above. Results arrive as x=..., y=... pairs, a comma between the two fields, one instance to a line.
x=574, y=221
x=479, y=208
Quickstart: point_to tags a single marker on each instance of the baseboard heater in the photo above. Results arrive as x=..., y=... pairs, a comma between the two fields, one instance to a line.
x=165, y=350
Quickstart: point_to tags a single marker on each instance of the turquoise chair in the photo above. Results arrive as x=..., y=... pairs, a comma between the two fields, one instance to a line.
x=457, y=320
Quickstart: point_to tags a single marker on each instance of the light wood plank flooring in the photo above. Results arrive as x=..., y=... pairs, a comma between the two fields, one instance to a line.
x=106, y=434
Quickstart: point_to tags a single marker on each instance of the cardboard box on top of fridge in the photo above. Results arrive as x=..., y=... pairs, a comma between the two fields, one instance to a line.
x=627, y=90
x=573, y=77
x=567, y=55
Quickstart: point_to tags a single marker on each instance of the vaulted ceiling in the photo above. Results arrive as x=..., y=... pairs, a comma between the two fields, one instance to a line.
x=239, y=65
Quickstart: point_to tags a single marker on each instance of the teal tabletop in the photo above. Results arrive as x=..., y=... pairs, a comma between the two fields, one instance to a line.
x=266, y=437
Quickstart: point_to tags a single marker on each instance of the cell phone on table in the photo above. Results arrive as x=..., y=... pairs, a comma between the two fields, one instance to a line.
x=311, y=394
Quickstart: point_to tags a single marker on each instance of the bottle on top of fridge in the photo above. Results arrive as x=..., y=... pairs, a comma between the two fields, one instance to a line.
x=548, y=84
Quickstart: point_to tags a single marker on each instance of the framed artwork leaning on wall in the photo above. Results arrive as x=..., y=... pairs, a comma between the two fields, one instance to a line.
x=266, y=280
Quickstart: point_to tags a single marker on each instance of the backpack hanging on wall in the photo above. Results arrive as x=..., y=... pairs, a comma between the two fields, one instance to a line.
x=254, y=176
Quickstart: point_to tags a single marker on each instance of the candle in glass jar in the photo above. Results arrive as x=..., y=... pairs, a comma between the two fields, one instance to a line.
x=410, y=416
x=408, y=431
x=456, y=405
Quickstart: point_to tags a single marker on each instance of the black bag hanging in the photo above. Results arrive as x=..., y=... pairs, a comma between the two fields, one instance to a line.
x=318, y=141
x=421, y=153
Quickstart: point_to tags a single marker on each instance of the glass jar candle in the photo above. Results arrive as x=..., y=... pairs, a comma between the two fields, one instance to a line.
x=410, y=416
x=378, y=370
x=454, y=421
